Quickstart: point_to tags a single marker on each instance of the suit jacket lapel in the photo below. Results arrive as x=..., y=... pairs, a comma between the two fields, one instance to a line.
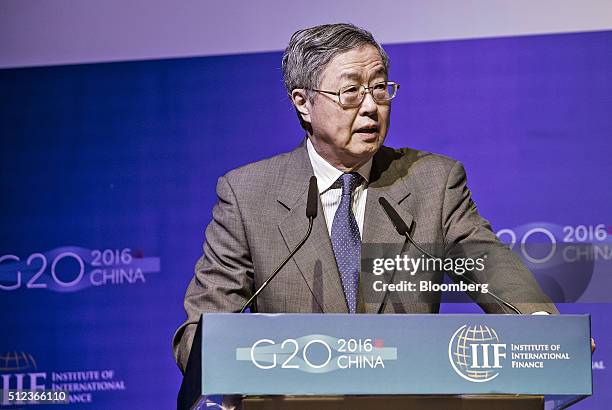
x=315, y=260
x=385, y=181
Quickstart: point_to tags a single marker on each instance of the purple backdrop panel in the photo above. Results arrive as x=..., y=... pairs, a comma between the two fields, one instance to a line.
x=109, y=173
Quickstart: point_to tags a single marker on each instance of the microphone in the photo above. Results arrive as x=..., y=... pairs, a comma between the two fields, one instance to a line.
x=402, y=229
x=312, y=202
x=311, y=214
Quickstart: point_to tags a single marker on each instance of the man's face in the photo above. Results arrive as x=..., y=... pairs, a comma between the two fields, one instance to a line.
x=348, y=137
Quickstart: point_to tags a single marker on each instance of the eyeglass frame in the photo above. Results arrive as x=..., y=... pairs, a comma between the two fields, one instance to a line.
x=367, y=88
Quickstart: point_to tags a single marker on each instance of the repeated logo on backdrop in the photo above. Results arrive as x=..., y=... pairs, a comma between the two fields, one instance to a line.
x=72, y=269
x=551, y=236
x=21, y=371
x=570, y=262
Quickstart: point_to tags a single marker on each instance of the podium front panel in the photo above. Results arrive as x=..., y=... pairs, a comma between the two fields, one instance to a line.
x=338, y=354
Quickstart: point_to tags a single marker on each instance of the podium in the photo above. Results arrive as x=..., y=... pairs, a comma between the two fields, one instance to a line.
x=341, y=361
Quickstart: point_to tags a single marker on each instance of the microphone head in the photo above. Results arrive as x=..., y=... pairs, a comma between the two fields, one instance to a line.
x=396, y=220
x=313, y=195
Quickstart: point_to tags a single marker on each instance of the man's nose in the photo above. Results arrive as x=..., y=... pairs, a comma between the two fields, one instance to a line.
x=368, y=105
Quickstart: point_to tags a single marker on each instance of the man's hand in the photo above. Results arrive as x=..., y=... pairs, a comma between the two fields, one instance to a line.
x=593, y=345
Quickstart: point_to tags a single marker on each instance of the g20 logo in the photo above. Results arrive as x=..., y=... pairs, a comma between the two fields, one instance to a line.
x=38, y=263
x=538, y=242
x=71, y=268
x=292, y=347
x=317, y=354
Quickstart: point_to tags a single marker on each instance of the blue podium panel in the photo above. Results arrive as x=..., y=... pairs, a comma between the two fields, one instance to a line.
x=336, y=354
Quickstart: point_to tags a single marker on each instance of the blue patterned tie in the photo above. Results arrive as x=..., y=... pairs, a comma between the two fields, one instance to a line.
x=346, y=240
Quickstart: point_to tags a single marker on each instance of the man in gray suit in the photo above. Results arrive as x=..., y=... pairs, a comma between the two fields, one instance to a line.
x=336, y=76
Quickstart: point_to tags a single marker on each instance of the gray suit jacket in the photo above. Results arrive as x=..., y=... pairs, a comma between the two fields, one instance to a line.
x=260, y=217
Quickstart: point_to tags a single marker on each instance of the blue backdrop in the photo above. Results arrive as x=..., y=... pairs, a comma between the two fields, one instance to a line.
x=109, y=174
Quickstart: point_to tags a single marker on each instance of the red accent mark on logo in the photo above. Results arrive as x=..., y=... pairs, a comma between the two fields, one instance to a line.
x=610, y=229
x=379, y=343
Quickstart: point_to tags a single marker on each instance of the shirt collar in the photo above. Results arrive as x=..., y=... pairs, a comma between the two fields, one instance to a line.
x=326, y=173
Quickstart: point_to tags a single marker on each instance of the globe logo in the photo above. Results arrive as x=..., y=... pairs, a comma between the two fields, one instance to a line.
x=475, y=353
x=13, y=362
x=16, y=362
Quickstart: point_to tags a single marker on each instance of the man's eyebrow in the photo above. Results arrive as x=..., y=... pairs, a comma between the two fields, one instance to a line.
x=380, y=71
x=353, y=75
x=350, y=75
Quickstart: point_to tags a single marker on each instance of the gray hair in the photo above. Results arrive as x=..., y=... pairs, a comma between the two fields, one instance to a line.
x=311, y=49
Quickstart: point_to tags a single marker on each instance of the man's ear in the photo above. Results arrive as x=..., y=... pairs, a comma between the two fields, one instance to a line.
x=301, y=103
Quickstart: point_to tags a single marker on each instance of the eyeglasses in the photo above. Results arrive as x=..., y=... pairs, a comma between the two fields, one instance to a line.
x=353, y=95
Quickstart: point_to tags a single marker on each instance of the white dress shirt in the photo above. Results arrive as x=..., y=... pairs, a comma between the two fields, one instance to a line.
x=326, y=175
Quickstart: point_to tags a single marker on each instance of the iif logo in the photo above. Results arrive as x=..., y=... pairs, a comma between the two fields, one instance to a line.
x=475, y=353
x=18, y=372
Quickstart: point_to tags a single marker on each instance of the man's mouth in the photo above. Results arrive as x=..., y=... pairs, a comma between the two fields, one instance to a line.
x=367, y=130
